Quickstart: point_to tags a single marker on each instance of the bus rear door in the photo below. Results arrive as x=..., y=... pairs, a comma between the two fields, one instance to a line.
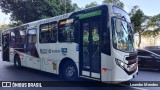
x=5, y=42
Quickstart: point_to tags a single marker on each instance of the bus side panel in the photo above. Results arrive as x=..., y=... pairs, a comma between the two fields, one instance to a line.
x=106, y=62
x=52, y=54
x=48, y=56
x=69, y=50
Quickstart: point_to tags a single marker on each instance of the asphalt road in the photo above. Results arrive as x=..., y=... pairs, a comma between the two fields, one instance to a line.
x=9, y=73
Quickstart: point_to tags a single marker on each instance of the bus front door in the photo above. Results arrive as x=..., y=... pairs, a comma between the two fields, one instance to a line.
x=5, y=40
x=90, y=61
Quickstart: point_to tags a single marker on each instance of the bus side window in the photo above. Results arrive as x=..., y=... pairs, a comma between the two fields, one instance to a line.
x=53, y=32
x=66, y=30
x=18, y=37
x=44, y=33
x=32, y=38
x=76, y=31
x=13, y=36
x=48, y=33
x=23, y=35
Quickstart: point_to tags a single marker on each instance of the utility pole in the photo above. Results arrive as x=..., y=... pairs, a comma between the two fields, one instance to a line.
x=65, y=6
x=63, y=2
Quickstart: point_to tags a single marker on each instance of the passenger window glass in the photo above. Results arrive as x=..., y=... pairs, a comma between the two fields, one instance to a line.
x=66, y=31
x=32, y=38
x=48, y=33
x=18, y=37
x=12, y=37
x=23, y=35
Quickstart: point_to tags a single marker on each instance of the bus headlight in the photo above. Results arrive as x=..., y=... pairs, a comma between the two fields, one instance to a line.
x=120, y=63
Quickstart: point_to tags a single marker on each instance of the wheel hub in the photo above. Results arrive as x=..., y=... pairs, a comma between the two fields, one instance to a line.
x=70, y=71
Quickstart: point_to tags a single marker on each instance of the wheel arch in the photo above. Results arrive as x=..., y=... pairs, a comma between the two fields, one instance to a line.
x=63, y=61
x=15, y=60
x=16, y=54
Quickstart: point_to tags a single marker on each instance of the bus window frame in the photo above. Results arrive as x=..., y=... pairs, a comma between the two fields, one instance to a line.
x=28, y=35
x=22, y=42
x=53, y=22
x=11, y=37
x=73, y=23
x=17, y=36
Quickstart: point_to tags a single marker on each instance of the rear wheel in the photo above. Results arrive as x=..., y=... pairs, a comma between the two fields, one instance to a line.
x=70, y=71
x=17, y=62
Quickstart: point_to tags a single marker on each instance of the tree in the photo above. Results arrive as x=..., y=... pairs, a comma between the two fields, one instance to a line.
x=154, y=22
x=75, y=6
x=31, y=10
x=116, y=2
x=92, y=4
x=138, y=19
x=153, y=27
x=65, y=6
x=3, y=27
x=133, y=10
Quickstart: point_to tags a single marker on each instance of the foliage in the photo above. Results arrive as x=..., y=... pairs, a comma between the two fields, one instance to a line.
x=116, y=2
x=138, y=19
x=92, y=4
x=144, y=25
x=4, y=27
x=154, y=22
x=30, y=10
x=153, y=27
x=133, y=10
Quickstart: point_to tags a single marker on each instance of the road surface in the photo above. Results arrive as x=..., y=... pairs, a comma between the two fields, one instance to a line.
x=9, y=73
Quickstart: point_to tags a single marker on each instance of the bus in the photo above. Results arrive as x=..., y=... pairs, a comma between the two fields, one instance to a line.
x=95, y=43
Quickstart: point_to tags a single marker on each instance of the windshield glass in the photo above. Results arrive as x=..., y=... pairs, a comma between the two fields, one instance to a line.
x=124, y=39
x=121, y=12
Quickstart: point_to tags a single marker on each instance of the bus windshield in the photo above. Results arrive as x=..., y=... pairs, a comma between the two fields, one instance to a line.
x=124, y=39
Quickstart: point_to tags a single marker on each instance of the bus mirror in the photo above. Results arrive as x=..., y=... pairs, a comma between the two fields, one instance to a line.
x=118, y=25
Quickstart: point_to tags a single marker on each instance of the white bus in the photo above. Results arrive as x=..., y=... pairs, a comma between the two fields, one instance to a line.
x=95, y=43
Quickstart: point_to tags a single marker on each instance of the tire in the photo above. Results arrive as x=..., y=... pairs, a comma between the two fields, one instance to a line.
x=17, y=62
x=69, y=71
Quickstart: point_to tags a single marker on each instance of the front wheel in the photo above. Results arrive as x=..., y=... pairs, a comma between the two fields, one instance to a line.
x=70, y=71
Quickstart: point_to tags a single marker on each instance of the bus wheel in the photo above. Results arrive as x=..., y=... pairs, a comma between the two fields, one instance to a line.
x=70, y=71
x=17, y=62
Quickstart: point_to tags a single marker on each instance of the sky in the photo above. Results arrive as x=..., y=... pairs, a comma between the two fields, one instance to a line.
x=149, y=7
x=4, y=19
